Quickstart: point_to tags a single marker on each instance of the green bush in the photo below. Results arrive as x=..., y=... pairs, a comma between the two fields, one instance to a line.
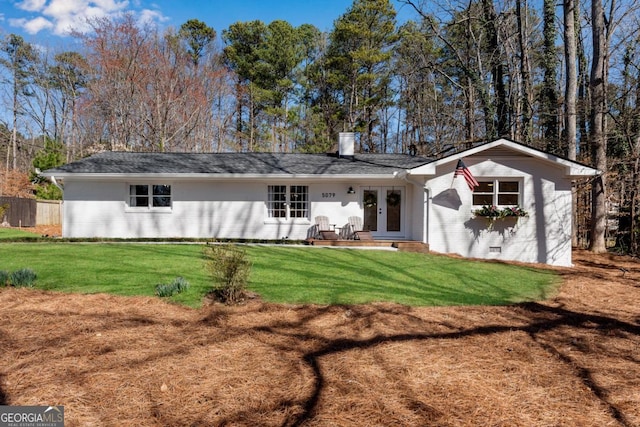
x=164, y=290
x=229, y=267
x=25, y=277
x=3, y=209
x=178, y=285
x=4, y=278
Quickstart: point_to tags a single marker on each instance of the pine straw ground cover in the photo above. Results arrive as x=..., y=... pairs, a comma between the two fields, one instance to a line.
x=119, y=361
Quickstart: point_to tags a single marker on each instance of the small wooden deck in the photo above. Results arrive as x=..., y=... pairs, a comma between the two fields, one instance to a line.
x=401, y=245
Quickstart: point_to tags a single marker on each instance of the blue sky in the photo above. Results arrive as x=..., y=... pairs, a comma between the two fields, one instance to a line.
x=48, y=21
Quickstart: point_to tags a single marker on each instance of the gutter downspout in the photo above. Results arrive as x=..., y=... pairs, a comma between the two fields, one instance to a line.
x=60, y=186
x=51, y=178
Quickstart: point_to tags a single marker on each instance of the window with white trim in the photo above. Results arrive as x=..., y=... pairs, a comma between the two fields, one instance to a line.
x=149, y=196
x=299, y=201
x=288, y=202
x=497, y=192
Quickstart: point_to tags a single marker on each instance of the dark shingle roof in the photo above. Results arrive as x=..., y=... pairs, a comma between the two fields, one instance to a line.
x=239, y=163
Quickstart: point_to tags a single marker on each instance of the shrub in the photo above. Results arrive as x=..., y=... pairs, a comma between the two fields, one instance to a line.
x=4, y=278
x=229, y=267
x=178, y=285
x=25, y=277
x=164, y=290
x=3, y=209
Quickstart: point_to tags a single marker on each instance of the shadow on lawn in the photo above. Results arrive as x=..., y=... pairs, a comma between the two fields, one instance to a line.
x=533, y=319
x=3, y=395
x=300, y=334
x=543, y=319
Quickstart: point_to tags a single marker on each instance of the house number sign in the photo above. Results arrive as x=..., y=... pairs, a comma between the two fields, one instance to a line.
x=328, y=195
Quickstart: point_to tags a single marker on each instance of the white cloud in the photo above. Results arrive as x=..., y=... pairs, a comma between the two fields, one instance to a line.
x=73, y=14
x=35, y=25
x=148, y=16
x=31, y=5
x=63, y=16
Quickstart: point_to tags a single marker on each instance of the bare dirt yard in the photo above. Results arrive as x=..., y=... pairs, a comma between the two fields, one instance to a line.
x=113, y=361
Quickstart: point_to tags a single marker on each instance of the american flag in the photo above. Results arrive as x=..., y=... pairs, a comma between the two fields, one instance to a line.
x=461, y=169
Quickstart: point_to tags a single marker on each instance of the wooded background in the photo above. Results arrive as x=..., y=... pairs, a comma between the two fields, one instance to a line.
x=560, y=77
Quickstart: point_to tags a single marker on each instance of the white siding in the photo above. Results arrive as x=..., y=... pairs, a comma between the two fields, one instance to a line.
x=202, y=209
x=544, y=236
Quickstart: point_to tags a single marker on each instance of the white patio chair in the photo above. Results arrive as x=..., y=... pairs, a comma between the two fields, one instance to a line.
x=324, y=230
x=356, y=229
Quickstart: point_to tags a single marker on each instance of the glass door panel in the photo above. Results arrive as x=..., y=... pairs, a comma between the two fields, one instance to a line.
x=394, y=212
x=370, y=202
x=383, y=211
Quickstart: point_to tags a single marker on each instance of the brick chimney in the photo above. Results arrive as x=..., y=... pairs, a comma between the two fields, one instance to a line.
x=346, y=144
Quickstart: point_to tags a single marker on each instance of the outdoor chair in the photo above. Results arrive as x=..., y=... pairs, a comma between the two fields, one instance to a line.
x=324, y=230
x=356, y=229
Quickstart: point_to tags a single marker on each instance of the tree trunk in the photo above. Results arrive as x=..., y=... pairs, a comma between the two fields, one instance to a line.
x=571, y=86
x=583, y=107
x=633, y=235
x=14, y=132
x=570, y=53
x=598, y=138
x=470, y=113
x=526, y=100
x=497, y=68
x=549, y=93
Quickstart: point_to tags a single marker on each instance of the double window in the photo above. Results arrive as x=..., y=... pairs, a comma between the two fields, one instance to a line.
x=497, y=192
x=288, y=202
x=149, y=196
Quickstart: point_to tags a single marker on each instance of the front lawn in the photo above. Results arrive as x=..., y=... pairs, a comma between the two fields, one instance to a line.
x=281, y=274
x=351, y=276
x=17, y=234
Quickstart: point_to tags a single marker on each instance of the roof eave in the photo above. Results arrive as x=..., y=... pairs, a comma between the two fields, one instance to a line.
x=211, y=176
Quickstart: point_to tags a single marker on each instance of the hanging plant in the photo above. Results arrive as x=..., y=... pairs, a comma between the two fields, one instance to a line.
x=393, y=198
x=370, y=200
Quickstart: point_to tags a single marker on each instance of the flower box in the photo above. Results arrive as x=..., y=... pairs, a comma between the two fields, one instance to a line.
x=493, y=213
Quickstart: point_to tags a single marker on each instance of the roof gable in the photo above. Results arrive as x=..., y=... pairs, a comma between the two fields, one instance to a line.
x=507, y=148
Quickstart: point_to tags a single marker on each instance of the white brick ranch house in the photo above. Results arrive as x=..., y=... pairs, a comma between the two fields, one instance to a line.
x=271, y=196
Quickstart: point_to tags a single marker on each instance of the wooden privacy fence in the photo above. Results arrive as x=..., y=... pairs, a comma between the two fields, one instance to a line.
x=49, y=212
x=20, y=213
x=23, y=212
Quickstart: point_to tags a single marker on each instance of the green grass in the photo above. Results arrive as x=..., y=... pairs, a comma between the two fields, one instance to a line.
x=16, y=234
x=280, y=274
x=343, y=276
x=121, y=269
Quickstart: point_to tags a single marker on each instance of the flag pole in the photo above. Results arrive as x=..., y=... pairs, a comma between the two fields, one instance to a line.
x=455, y=173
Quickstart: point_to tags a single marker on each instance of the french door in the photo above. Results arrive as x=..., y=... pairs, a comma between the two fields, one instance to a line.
x=384, y=211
